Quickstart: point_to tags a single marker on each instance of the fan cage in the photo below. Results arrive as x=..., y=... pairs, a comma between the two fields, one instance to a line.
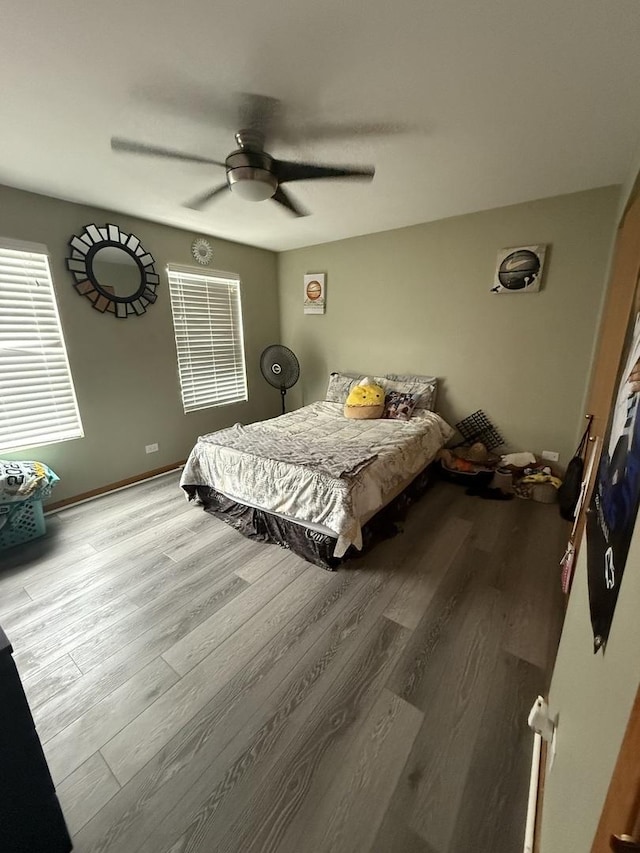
x=282, y=356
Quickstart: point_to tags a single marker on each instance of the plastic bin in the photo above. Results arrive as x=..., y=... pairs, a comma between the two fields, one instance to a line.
x=21, y=522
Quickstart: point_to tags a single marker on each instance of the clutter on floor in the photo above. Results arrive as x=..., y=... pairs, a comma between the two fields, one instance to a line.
x=491, y=476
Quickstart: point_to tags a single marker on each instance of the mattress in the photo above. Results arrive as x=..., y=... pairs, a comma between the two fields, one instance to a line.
x=307, y=494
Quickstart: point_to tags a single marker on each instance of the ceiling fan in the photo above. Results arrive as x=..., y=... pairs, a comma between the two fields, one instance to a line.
x=251, y=172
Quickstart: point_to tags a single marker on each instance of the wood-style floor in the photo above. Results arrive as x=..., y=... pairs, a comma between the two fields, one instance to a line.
x=195, y=691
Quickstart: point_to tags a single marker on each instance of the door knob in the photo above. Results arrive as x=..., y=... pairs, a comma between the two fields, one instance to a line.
x=623, y=843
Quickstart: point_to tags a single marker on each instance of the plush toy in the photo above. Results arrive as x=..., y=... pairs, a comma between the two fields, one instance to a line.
x=365, y=401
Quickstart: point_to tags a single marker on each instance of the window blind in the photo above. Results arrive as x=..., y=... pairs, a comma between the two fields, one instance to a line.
x=207, y=320
x=37, y=398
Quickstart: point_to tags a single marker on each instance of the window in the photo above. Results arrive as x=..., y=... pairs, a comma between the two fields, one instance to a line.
x=207, y=320
x=37, y=398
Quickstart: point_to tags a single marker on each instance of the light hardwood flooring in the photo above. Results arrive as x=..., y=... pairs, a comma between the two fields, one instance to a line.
x=196, y=691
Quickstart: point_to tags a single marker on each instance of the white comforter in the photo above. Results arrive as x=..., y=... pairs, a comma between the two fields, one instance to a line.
x=313, y=497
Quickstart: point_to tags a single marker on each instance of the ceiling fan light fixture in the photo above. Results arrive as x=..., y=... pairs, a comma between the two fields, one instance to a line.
x=252, y=184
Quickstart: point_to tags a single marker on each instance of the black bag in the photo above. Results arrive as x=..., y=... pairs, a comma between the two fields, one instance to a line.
x=569, y=491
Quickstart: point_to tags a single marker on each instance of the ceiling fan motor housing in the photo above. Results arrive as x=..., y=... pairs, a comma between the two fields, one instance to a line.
x=249, y=174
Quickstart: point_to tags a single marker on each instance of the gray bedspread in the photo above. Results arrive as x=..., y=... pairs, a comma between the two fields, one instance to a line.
x=328, y=455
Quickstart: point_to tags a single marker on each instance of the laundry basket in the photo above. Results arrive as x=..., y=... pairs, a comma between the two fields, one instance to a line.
x=23, y=487
x=21, y=521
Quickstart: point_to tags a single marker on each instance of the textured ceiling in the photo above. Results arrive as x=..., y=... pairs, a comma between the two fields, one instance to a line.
x=492, y=103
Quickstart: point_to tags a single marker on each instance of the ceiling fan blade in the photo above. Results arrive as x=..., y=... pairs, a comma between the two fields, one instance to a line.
x=199, y=201
x=288, y=171
x=132, y=147
x=283, y=198
x=178, y=97
x=319, y=131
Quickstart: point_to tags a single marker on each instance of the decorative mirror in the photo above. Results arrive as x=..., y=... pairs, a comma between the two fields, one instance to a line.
x=113, y=270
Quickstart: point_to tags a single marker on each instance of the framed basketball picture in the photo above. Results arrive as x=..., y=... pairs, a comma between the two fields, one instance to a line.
x=314, y=293
x=519, y=270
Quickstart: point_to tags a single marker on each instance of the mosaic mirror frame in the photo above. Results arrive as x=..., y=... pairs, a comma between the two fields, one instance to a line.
x=83, y=249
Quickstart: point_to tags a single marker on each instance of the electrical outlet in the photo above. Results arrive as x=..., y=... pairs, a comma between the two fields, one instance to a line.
x=551, y=455
x=150, y=448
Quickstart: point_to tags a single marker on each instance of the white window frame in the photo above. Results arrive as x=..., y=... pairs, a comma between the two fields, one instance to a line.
x=38, y=403
x=209, y=336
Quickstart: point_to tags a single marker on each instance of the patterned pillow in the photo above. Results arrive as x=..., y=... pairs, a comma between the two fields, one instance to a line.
x=399, y=407
x=339, y=386
x=426, y=387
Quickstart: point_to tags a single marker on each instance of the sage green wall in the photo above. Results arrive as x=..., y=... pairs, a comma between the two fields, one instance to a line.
x=417, y=300
x=125, y=371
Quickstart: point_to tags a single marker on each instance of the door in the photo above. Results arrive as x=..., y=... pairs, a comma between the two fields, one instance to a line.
x=621, y=301
x=576, y=698
x=619, y=827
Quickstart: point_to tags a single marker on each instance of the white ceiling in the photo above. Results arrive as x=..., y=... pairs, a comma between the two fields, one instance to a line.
x=502, y=101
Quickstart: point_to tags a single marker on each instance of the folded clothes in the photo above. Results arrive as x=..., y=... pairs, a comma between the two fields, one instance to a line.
x=20, y=481
x=518, y=460
x=541, y=477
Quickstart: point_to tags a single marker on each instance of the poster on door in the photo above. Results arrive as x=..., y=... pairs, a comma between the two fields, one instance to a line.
x=616, y=494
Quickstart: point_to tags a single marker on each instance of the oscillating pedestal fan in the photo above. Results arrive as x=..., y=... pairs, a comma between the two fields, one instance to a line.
x=280, y=368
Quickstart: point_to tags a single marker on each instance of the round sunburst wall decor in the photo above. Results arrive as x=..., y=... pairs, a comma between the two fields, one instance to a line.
x=202, y=250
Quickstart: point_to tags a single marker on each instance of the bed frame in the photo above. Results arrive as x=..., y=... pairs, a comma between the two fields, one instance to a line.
x=312, y=545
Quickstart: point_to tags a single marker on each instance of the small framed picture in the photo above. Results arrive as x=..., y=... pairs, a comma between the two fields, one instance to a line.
x=314, y=293
x=519, y=270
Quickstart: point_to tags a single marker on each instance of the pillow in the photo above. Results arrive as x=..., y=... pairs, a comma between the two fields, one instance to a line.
x=365, y=402
x=339, y=386
x=399, y=407
x=426, y=387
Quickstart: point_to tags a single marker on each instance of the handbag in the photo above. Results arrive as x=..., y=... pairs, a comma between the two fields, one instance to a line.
x=569, y=491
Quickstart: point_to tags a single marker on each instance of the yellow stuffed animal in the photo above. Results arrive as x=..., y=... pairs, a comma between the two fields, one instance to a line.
x=365, y=401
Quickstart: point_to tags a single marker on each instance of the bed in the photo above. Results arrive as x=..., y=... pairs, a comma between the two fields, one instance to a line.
x=313, y=480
